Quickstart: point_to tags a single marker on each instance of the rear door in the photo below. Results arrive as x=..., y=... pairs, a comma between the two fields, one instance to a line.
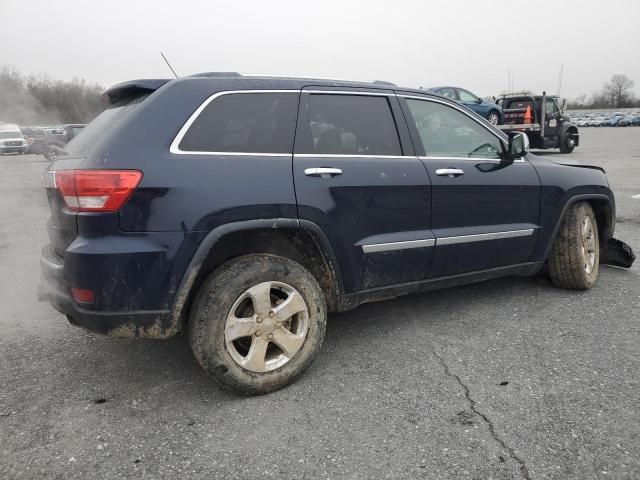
x=357, y=177
x=485, y=213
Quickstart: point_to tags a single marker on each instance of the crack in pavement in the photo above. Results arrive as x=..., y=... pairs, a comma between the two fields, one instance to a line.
x=472, y=404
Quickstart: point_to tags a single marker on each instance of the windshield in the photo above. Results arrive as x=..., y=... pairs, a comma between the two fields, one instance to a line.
x=10, y=135
x=91, y=135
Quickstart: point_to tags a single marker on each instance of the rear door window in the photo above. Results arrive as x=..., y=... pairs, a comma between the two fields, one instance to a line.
x=339, y=124
x=244, y=123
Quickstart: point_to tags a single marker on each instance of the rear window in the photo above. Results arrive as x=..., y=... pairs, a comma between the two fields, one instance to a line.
x=102, y=125
x=244, y=123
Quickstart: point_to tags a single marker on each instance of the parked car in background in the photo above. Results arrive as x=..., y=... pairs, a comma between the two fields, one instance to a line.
x=582, y=122
x=241, y=210
x=488, y=110
x=35, y=138
x=636, y=121
x=613, y=121
x=626, y=121
x=54, y=142
x=12, y=139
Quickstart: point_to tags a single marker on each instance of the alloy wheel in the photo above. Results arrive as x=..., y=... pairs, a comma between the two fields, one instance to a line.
x=266, y=326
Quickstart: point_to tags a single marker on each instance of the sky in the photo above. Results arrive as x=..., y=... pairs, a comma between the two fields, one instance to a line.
x=468, y=43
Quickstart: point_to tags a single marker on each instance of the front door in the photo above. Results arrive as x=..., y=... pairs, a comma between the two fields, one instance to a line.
x=357, y=177
x=485, y=212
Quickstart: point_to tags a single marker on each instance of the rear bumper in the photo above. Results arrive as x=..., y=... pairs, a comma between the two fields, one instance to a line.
x=54, y=287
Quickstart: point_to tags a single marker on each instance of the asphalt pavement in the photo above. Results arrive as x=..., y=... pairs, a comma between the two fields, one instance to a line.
x=507, y=379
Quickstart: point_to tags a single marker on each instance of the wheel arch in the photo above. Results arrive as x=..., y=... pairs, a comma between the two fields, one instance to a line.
x=301, y=241
x=603, y=209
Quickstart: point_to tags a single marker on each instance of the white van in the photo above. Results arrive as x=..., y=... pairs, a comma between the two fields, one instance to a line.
x=11, y=139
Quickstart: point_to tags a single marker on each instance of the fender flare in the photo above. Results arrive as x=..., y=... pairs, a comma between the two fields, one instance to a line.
x=571, y=201
x=215, y=235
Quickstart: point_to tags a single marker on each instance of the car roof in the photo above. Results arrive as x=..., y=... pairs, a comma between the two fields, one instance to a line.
x=236, y=81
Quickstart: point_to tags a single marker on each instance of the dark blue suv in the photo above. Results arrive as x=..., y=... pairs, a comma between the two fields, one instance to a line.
x=243, y=209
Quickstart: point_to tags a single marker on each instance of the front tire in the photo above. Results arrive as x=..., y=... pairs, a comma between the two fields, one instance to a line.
x=257, y=323
x=567, y=143
x=575, y=255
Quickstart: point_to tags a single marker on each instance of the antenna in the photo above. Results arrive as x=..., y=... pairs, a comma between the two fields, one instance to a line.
x=560, y=78
x=169, y=65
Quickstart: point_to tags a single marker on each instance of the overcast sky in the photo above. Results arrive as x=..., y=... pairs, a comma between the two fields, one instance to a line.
x=469, y=43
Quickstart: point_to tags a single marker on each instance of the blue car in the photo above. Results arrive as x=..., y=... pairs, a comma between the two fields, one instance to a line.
x=488, y=110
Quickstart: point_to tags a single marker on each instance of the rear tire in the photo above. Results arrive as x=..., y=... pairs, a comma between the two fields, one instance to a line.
x=257, y=323
x=493, y=117
x=575, y=255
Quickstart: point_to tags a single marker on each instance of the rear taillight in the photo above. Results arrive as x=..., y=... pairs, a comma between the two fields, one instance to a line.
x=96, y=190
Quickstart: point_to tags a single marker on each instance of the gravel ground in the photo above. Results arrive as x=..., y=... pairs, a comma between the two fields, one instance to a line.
x=504, y=379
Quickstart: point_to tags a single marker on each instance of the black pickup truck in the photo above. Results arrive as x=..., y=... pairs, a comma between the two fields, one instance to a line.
x=542, y=118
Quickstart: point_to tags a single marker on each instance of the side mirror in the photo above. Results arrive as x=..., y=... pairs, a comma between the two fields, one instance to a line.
x=479, y=101
x=564, y=105
x=518, y=145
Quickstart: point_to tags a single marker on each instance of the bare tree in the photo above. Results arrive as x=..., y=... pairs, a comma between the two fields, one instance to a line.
x=618, y=90
x=31, y=100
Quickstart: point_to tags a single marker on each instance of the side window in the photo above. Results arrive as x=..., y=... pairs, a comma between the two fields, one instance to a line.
x=349, y=125
x=551, y=107
x=244, y=122
x=467, y=96
x=448, y=92
x=447, y=132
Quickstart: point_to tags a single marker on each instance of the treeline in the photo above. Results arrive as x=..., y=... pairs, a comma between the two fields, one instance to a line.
x=617, y=93
x=42, y=100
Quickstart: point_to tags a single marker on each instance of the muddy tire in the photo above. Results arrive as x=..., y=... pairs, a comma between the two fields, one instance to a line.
x=575, y=255
x=257, y=323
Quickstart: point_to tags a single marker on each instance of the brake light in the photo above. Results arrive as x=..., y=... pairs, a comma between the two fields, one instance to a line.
x=96, y=190
x=82, y=295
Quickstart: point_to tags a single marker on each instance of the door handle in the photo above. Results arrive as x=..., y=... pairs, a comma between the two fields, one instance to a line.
x=449, y=172
x=322, y=172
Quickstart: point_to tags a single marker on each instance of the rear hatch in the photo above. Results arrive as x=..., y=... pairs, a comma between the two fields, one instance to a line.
x=62, y=227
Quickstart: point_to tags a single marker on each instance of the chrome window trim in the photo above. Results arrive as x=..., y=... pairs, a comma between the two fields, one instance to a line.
x=175, y=145
x=496, y=133
x=332, y=155
x=480, y=237
x=391, y=246
x=347, y=92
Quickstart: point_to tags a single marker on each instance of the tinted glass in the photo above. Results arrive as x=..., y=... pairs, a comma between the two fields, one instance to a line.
x=245, y=122
x=447, y=132
x=349, y=125
x=102, y=125
x=467, y=96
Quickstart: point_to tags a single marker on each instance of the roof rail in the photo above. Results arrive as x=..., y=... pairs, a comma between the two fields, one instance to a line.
x=216, y=74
